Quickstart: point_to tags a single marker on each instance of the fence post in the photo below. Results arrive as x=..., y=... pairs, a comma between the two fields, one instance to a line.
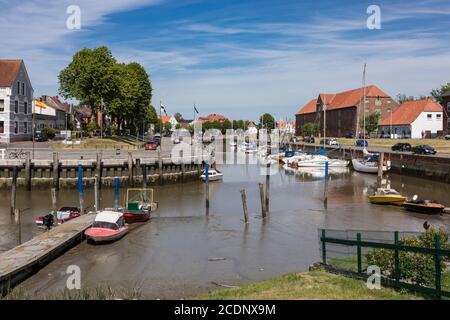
x=358, y=248
x=396, y=259
x=324, y=248
x=437, y=262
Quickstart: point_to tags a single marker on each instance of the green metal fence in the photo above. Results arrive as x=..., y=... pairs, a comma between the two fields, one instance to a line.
x=347, y=252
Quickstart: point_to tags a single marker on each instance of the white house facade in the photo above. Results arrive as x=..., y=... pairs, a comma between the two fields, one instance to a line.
x=16, y=98
x=414, y=119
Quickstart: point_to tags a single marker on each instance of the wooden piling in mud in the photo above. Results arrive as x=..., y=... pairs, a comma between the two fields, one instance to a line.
x=96, y=195
x=98, y=168
x=54, y=209
x=261, y=195
x=267, y=186
x=244, y=205
x=55, y=170
x=19, y=225
x=144, y=175
x=13, y=190
x=28, y=172
x=380, y=167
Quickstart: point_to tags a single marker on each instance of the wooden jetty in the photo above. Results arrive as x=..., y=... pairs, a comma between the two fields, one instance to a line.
x=26, y=259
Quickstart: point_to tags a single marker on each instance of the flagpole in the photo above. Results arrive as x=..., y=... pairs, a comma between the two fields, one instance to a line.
x=160, y=127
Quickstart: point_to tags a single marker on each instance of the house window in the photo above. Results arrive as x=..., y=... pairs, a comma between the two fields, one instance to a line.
x=16, y=106
x=429, y=116
x=2, y=127
x=25, y=107
x=438, y=117
x=16, y=127
x=2, y=105
x=25, y=127
x=23, y=88
x=18, y=87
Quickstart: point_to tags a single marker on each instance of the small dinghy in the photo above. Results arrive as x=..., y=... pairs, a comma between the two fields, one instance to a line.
x=424, y=206
x=213, y=175
x=387, y=196
x=62, y=215
x=108, y=226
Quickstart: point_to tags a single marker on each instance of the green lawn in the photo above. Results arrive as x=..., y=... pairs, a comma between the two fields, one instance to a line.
x=314, y=285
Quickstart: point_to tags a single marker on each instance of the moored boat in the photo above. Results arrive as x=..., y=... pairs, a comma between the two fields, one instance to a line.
x=64, y=214
x=370, y=165
x=108, y=226
x=139, y=205
x=387, y=196
x=213, y=175
x=424, y=206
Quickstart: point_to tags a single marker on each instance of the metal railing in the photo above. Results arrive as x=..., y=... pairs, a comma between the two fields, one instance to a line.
x=344, y=252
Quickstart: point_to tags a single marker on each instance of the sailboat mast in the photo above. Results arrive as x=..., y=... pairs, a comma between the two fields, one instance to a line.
x=364, y=104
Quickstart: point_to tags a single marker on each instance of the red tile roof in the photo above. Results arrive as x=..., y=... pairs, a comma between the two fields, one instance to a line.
x=212, y=117
x=8, y=71
x=408, y=112
x=165, y=119
x=343, y=99
x=310, y=107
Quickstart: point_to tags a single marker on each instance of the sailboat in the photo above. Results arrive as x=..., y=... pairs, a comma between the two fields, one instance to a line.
x=370, y=162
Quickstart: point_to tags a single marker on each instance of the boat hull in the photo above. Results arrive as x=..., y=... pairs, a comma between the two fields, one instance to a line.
x=361, y=167
x=386, y=199
x=423, y=208
x=100, y=235
x=134, y=217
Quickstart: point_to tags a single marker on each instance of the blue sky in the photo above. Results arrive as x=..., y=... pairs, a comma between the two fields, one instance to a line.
x=239, y=58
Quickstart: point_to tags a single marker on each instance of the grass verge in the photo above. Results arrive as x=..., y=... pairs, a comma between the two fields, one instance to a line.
x=314, y=285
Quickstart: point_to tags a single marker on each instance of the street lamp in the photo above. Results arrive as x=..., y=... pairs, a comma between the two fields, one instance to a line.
x=390, y=126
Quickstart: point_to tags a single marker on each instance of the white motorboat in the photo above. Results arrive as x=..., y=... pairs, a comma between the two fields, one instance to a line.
x=248, y=147
x=369, y=166
x=108, y=226
x=320, y=161
x=213, y=175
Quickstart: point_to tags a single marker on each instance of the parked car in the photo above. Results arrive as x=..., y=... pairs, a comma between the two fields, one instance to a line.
x=361, y=143
x=40, y=136
x=329, y=142
x=151, y=145
x=447, y=137
x=401, y=147
x=309, y=140
x=364, y=136
x=423, y=149
x=350, y=135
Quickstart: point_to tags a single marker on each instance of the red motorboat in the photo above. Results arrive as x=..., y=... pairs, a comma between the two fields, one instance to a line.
x=63, y=215
x=108, y=226
x=139, y=205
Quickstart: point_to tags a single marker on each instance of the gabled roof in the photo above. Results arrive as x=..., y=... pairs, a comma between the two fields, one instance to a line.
x=310, y=107
x=8, y=71
x=351, y=98
x=408, y=112
x=165, y=119
x=446, y=94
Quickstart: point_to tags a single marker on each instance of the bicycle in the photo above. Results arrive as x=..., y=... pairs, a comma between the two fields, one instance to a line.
x=20, y=154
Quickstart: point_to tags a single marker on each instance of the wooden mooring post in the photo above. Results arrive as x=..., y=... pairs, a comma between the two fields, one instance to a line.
x=244, y=205
x=28, y=172
x=325, y=187
x=98, y=168
x=261, y=195
x=144, y=175
x=267, y=186
x=96, y=194
x=207, y=188
x=13, y=190
x=160, y=168
x=55, y=170
x=80, y=188
x=54, y=209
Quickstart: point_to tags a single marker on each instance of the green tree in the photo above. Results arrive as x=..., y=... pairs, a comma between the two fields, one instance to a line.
x=178, y=116
x=310, y=129
x=437, y=93
x=267, y=121
x=372, y=121
x=89, y=78
x=167, y=126
x=178, y=126
x=226, y=125
x=402, y=98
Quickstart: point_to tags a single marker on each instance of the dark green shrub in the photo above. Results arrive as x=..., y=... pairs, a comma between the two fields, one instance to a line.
x=50, y=132
x=418, y=268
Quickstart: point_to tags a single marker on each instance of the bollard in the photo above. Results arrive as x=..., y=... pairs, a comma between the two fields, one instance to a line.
x=116, y=193
x=244, y=205
x=261, y=194
x=13, y=190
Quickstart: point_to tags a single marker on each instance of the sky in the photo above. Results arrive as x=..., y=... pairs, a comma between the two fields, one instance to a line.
x=239, y=58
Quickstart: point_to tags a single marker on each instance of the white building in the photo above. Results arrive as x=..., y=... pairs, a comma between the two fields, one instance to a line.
x=171, y=119
x=414, y=119
x=16, y=98
x=251, y=129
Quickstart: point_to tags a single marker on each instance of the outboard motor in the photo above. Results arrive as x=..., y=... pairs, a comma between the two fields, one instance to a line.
x=48, y=221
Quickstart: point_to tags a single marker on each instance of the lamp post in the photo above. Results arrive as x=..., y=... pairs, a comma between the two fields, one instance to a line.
x=390, y=124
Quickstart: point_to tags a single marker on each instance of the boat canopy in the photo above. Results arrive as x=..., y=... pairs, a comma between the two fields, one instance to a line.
x=321, y=152
x=108, y=216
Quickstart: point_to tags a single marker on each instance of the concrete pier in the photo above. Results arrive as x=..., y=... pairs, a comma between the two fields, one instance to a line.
x=26, y=259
